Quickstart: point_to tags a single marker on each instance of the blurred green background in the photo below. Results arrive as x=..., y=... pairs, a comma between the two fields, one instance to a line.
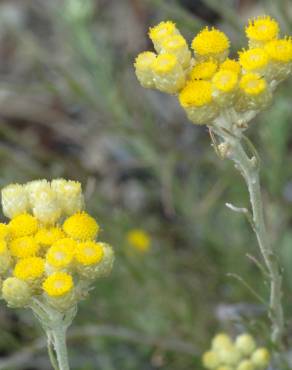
x=70, y=106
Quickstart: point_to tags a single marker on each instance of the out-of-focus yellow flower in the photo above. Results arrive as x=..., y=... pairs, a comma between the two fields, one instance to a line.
x=211, y=360
x=245, y=343
x=139, y=239
x=261, y=30
x=81, y=227
x=246, y=365
x=211, y=43
x=261, y=358
x=23, y=225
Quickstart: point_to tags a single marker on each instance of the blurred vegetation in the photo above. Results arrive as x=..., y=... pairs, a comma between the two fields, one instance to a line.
x=70, y=106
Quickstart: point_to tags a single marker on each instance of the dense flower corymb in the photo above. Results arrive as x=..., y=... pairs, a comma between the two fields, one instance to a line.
x=48, y=249
x=221, y=89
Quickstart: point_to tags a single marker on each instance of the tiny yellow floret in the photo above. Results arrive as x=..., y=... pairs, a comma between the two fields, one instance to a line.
x=210, y=42
x=144, y=61
x=225, y=81
x=47, y=236
x=230, y=65
x=58, y=284
x=262, y=28
x=196, y=94
x=29, y=268
x=23, y=247
x=280, y=50
x=61, y=253
x=255, y=59
x=253, y=84
x=23, y=225
x=203, y=70
x=89, y=253
x=139, y=240
x=81, y=226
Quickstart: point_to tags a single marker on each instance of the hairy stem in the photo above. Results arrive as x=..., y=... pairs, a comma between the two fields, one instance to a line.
x=249, y=168
x=60, y=347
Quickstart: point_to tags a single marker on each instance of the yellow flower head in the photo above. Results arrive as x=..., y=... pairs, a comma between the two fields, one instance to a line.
x=196, y=94
x=253, y=84
x=48, y=236
x=139, y=240
x=4, y=231
x=81, y=226
x=164, y=64
x=58, y=284
x=23, y=247
x=203, y=70
x=246, y=365
x=221, y=341
x=161, y=31
x=253, y=59
x=89, y=253
x=144, y=61
x=23, y=225
x=61, y=253
x=230, y=65
x=30, y=268
x=263, y=29
x=225, y=81
x=210, y=42
x=280, y=50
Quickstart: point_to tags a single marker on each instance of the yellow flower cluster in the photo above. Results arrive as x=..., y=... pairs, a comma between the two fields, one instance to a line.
x=48, y=249
x=241, y=354
x=209, y=84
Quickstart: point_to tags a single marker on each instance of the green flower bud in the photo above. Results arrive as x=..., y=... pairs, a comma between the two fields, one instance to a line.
x=211, y=360
x=245, y=344
x=16, y=292
x=261, y=358
x=246, y=365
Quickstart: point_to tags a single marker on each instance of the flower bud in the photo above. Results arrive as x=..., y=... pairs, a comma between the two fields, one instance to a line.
x=261, y=30
x=177, y=46
x=168, y=74
x=23, y=225
x=224, y=87
x=45, y=206
x=14, y=200
x=203, y=70
x=210, y=360
x=246, y=365
x=16, y=292
x=143, y=69
x=261, y=358
x=254, y=60
x=69, y=195
x=33, y=187
x=280, y=54
x=245, y=344
x=221, y=341
x=161, y=32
